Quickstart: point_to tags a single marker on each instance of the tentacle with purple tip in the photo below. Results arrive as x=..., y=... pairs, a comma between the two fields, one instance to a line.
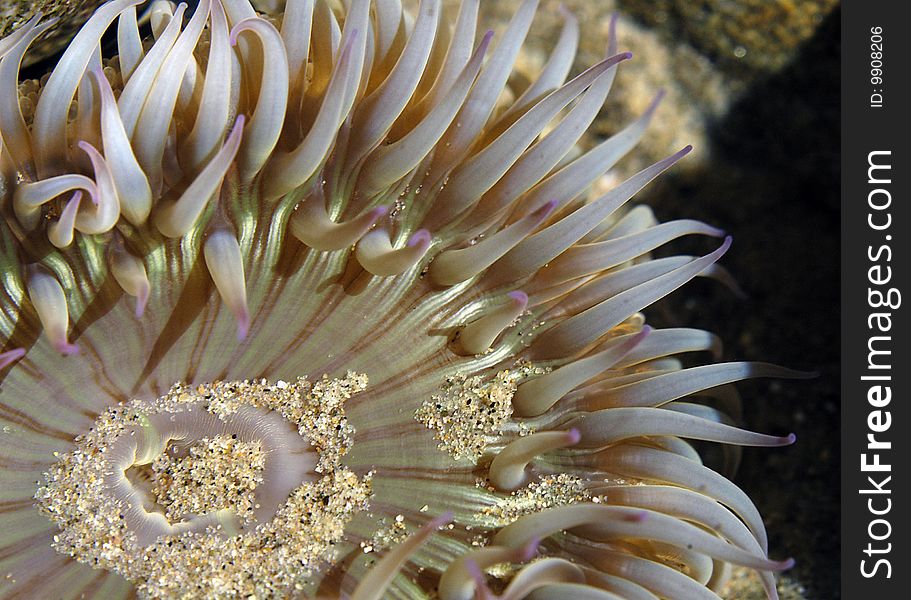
x=376, y=254
x=478, y=336
x=508, y=468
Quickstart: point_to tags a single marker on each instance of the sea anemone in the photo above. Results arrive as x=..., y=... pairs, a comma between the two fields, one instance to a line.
x=283, y=296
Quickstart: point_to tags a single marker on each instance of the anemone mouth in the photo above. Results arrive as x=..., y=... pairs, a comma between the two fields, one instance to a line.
x=348, y=189
x=242, y=486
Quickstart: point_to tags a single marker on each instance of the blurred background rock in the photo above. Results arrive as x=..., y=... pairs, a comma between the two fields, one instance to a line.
x=72, y=14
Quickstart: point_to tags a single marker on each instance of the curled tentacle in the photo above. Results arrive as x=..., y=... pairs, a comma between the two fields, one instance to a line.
x=312, y=225
x=265, y=125
x=287, y=171
x=478, y=336
x=376, y=254
x=60, y=233
x=29, y=197
x=508, y=469
x=102, y=214
x=540, y=574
